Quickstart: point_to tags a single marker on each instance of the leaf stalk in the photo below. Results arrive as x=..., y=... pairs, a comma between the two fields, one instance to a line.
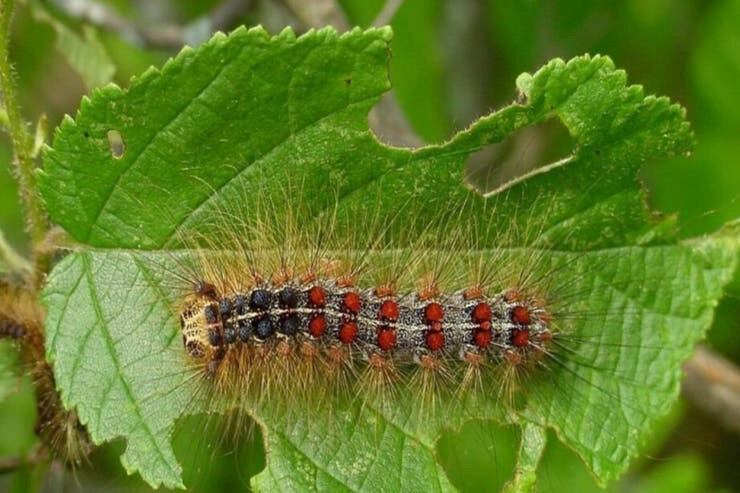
x=24, y=165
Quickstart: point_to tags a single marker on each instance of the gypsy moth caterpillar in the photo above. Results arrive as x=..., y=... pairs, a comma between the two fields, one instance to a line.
x=240, y=265
x=21, y=320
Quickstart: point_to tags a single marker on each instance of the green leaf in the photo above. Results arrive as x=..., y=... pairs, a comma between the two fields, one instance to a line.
x=250, y=119
x=532, y=446
x=85, y=53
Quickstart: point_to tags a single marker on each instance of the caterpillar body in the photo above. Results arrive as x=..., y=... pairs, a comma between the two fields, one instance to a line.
x=410, y=328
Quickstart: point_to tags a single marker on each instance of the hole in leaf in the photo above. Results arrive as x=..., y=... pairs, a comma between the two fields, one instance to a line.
x=531, y=150
x=389, y=124
x=117, y=146
x=210, y=446
x=479, y=456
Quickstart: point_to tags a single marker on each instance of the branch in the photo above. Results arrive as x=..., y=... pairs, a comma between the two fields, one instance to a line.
x=168, y=36
x=12, y=259
x=388, y=12
x=712, y=383
x=318, y=13
x=13, y=463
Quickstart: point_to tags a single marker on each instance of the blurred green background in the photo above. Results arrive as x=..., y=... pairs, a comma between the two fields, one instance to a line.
x=452, y=62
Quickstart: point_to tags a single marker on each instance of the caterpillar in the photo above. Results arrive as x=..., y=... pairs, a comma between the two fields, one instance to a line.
x=293, y=307
x=59, y=429
x=411, y=328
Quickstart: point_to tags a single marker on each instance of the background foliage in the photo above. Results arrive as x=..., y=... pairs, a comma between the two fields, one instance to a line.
x=452, y=62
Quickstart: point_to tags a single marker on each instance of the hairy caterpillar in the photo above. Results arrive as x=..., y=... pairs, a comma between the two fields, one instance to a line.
x=287, y=309
x=59, y=429
x=411, y=328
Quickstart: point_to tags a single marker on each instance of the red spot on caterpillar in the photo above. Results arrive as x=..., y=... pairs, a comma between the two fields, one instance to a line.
x=348, y=332
x=433, y=312
x=389, y=310
x=481, y=313
x=482, y=338
x=520, y=337
x=435, y=340
x=485, y=326
x=317, y=326
x=317, y=296
x=520, y=315
x=387, y=339
x=352, y=302
x=435, y=326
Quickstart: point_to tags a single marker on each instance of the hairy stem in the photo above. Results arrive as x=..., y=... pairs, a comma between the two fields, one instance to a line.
x=713, y=384
x=165, y=35
x=14, y=261
x=13, y=463
x=23, y=146
x=387, y=13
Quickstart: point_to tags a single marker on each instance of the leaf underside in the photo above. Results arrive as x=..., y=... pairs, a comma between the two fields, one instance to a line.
x=252, y=119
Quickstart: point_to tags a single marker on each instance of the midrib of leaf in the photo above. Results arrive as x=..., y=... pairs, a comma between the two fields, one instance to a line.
x=151, y=282
x=119, y=373
x=153, y=137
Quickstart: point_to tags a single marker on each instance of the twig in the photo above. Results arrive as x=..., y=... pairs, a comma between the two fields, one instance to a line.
x=168, y=36
x=23, y=145
x=712, y=383
x=318, y=13
x=463, y=30
x=12, y=259
x=386, y=15
x=13, y=463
